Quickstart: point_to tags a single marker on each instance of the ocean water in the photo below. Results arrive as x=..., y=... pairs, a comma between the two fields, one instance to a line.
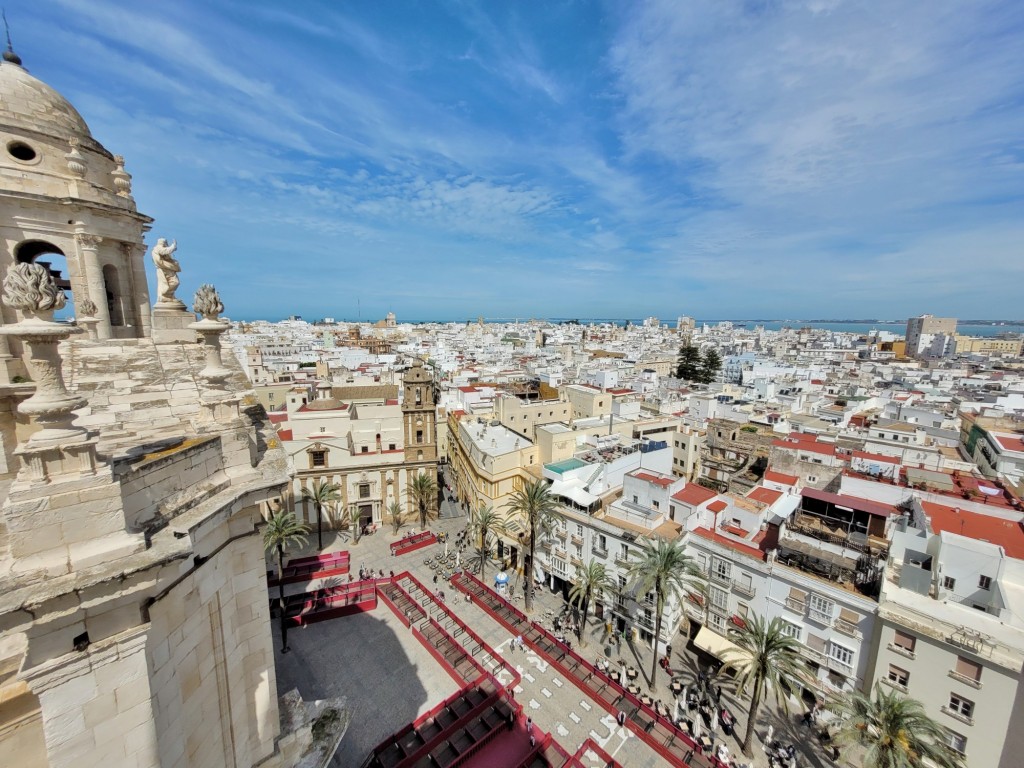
x=861, y=328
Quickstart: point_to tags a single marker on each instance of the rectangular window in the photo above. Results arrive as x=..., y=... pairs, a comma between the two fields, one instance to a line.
x=898, y=676
x=905, y=641
x=957, y=742
x=716, y=622
x=948, y=582
x=968, y=669
x=821, y=608
x=419, y=435
x=365, y=449
x=623, y=552
x=985, y=582
x=579, y=530
x=721, y=569
x=702, y=562
x=319, y=458
x=719, y=598
x=391, y=446
x=577, y=551
x=789, y=629
x=655, y=504
x=742, y=609
x=961, y=706
x=602, y=543
x=840, y=653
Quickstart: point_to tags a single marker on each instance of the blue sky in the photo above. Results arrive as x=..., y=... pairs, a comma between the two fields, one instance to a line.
x=766, y=158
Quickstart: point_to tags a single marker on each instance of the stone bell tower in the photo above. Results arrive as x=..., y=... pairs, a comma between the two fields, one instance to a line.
x=419, y=415
x=69, y=206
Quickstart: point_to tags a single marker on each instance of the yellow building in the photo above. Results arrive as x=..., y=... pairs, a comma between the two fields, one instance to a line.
x=987, y=345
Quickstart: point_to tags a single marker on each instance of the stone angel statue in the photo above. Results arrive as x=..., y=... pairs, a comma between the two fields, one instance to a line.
x=167, y=269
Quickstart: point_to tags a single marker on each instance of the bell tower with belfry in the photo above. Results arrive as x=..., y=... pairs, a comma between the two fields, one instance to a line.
x=419, y=415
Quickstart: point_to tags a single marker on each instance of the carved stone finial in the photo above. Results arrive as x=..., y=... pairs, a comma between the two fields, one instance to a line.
x=207, y=302
x=30, y=288
x=122, y=179
x=75, y=159
x=88, y=307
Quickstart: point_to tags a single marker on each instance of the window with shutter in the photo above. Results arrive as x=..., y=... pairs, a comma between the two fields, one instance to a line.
x=904, y=641
x=968, y=669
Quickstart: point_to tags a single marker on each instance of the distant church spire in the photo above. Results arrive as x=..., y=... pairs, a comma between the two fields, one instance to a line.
x=9, y=54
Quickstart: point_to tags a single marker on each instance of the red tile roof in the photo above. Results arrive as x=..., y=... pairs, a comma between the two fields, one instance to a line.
x=284, y=434
x=1006, y=533
x=852, y=502
x=620, y=391
x=875, y=457
x=779, y=477
x=747, y=549
x=664, y=482
x=717, y=506
x=277, y=418
x=694, y=494
x=764, y=495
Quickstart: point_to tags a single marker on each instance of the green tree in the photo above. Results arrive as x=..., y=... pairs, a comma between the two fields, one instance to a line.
x=538, y=508
x=895, y=731
x=283, y=530
x=353, y=520
x=590, y=583
x=322, y=494
x=484, y=523
x=395, y=512
x=661, y=566
x=423, y=491
x=766, y=660
x=688, y=364
x=710, y=364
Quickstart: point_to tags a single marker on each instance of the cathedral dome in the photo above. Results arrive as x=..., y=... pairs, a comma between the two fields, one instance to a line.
x=29, y=104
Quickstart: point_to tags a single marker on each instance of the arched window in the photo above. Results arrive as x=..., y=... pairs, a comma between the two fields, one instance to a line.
x=53, y=258
x=114, y=296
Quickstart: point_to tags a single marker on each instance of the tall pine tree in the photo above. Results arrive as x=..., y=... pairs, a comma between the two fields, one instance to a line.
x=689, y=364
x=710, y=363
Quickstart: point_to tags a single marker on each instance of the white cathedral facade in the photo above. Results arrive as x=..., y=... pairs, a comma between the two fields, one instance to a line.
x=135, y=469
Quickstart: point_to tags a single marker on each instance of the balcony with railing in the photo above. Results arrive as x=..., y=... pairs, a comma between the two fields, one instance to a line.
x=622, y=559
x=745, y=589
x=561, y=533
x=821, y=617
x=599, y=552
x=839, y=665
x=720, y=577
x=797, y=606
x=577, y=540
x=847, y=628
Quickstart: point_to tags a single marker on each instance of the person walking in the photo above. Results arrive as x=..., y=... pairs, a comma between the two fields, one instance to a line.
x=529, y=725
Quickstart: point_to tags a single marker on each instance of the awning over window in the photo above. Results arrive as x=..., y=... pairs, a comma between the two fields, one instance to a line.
x=796, y=594
x=849, y=616
x=720, y=647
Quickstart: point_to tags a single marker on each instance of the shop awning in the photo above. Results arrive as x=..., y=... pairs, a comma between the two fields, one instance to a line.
x=720, y=647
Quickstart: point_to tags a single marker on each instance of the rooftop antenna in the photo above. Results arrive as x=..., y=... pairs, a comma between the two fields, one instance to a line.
x=9, y=54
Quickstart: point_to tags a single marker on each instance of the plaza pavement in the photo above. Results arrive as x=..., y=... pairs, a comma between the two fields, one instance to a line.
x=389, y=678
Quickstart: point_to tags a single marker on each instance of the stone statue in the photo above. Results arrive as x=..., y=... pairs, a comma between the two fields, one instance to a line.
x=30, y=288
x=167, y=269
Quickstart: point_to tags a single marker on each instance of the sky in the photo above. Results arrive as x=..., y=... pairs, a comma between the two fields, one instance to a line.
x=448, y=160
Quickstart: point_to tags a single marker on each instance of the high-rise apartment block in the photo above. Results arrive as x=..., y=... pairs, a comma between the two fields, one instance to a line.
x=929, y=336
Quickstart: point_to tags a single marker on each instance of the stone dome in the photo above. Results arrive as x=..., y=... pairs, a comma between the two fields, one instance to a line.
x=29, y=104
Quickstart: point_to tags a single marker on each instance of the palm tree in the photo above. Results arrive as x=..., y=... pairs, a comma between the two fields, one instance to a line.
x=283, y=529
x=395, y=510
x=895, y=730
x=661, y=566
x=423, y=491
x=322, y=494
x=538, y=508
x=485, y=522
x=590, y=582
x=353, y=520
x=766, y=660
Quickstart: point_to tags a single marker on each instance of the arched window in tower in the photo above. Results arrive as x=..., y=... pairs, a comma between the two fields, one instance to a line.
x=419, y=396
x=114, y=295
x=53, y=258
